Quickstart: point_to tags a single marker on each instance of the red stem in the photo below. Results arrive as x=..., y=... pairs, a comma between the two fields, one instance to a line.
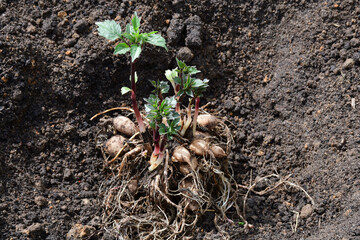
x=133, y=99
x=163, y=143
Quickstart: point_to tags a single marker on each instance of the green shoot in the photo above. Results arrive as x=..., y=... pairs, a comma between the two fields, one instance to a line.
x=241, y=223
x=185, y=85
x=132, y=40
x=164, y=121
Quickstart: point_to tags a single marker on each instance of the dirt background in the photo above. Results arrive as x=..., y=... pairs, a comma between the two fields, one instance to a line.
x=284, y=73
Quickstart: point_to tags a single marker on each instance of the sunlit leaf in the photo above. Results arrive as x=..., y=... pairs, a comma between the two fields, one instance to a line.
x=136, y=77
x=193, y=70
x=135, y=22
x=157, y=40
x=177, y=80
x=121, y=48
x=181, y=64
x=135, y=52
x=164, y=86
x=109, y=29
x=125, y=90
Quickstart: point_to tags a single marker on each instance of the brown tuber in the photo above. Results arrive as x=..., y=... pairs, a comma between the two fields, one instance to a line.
x=181, y=154
x=192, y=204
x=218, y=151
x=114, y=145
x=124, y=126
x=205, y=135
x=200, y=147
x=186, y=168
x=133, y=186
x=207, y=120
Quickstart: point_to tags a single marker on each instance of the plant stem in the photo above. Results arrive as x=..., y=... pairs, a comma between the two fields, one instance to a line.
x=133, y=98
x=197, y=103
x=163, y=143
x=187, y=122
x=158, y=154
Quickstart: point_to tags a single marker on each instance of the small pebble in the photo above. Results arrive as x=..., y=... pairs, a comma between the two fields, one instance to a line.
x=67, y=174
x=81, y=26
x=79, y=231
x=35, y=231
x=349, y=63
x=40, y=201
x=306, y=211
x=62, y=14
x=185, y=54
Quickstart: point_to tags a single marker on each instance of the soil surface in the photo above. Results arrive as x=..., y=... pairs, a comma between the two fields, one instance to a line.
x=285, y=74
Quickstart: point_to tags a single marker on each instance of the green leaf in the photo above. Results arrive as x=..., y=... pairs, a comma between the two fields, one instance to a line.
x=189, y=93
x=171, y=101
x=173, y=115
x=121, y=48
x=135, y=22
x=125, y=90
x=129, y=29
x=198, y=83
x=177, y=80
x=130, y=37
x=188, y=82
x=241, y=223
x=149, y=108
x=154, y=83
x=109, y=29
x=171, y=74
x=157, y=40
x=135, y=52
x=142, y=38
x=152, y=124
x=164, y=86
x=162, y=129
x=180, y=92
x=136, y=77
x=181, y=64
x=193, y=70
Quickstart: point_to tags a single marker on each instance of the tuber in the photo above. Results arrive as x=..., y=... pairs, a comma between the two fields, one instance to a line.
x=181, y=154
x=133, y=186
x=124, y=126
x=199, y=134
x=193, y=205
x=207, y=120
x=200, y=147
x=114, y=145
x=186, y=168
x=218, y=151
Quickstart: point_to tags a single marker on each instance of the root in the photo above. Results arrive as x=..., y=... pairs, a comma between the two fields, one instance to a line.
x=168, y=203
x=282, y=181
x=109, y=110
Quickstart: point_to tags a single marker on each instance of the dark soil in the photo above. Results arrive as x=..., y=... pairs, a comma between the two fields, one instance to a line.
x=284, y=73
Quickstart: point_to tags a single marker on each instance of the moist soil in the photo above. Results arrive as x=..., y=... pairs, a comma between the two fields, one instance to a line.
x=283, y=74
